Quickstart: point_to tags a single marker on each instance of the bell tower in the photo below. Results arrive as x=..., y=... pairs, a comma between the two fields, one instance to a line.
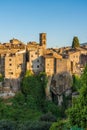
x=43, y=40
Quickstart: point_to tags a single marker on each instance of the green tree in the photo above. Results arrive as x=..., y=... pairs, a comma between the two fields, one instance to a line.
x=35, y=125
x=76, y=83
x=33, y=87
x=49, y=117
x=75, y=42
x=7, y=125
x=78, y=113
x=19, y=98
x=60, y=125
x=1, y=77
x=52, y=108
x=84, y=76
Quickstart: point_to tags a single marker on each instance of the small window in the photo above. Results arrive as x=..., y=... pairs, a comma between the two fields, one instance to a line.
x=10, y=64
x=36, y=53
x=31, y=55
x=37, y=66
x=37, y=60
x=44, y=37
x=44, y=42
x=10, y=59
x=11, y=73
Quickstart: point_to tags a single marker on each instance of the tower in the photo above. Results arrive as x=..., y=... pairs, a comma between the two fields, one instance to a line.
x=43, y=40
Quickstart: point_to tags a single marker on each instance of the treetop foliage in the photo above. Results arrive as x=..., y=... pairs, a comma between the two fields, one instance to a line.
x=1, y=77
x=75, y=42
x=78, y=112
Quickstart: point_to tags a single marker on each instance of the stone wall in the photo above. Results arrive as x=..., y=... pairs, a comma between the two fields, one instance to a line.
x=63, y=65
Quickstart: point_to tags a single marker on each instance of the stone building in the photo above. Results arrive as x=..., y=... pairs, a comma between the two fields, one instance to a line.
x=15, y=64
x=35, y=53
x=37, y=58
x=50, y=62
x=17, y=57
x=63, y=65
x=2, y=63
x=75, y=56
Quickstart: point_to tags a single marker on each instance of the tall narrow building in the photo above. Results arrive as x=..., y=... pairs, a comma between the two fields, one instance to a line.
x=43, y=40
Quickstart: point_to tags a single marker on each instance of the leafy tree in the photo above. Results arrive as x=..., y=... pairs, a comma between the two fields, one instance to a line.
x=78, y=113
x=60, y=125
x=7, y=125
x=75, y=42
x=1, y=77
x=19, y=99
x=33, y=87
x=28, y=73
x=84, y=76
x=48, y=117
x=76, y=83
x=35, y=125
x=49, y=106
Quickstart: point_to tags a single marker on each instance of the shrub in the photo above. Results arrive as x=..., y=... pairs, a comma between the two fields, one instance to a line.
x=48, y=117
x=7, y=125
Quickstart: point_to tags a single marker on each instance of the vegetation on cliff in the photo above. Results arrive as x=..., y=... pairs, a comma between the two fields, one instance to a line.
x=29, y=109
x=1, y=77
x=78, y=112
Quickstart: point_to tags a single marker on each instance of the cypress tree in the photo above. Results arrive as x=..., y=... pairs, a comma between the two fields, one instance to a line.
x=75, y=42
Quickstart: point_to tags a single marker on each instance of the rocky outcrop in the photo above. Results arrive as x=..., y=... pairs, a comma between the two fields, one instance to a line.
x=61, y=83
x=12, y=84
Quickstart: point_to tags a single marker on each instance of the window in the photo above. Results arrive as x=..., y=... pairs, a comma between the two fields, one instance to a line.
x=31, y=55
x=44, y=37
x=37, y=60
x=10, y=64
x=37, y=66
x=44, y=42
x=10, y=59
x=11, y=73
x=36, y=53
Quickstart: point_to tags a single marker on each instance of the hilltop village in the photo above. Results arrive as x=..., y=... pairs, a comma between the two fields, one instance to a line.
x=17, y=57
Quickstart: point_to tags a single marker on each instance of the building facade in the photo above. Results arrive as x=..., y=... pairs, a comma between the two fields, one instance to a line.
x=17, y=57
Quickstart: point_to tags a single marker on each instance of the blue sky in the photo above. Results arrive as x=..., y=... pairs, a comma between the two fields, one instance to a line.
x=60, y=19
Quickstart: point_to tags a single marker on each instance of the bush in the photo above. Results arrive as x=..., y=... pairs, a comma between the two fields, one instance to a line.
x=48, y=117
x=60, y=125
x=7, y=125
x=1, y=77
x=54, y=109
x=36, y=125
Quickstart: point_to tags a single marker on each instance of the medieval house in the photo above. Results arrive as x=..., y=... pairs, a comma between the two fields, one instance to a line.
x=17, y=57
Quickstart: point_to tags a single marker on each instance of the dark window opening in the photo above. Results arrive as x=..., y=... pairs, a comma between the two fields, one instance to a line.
x=36, y=53
x=11, y=73
x=10, y=59
x=44, y=42
x=31, y=55
x=37, y=60
x=37, y=66
x=10, y=64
